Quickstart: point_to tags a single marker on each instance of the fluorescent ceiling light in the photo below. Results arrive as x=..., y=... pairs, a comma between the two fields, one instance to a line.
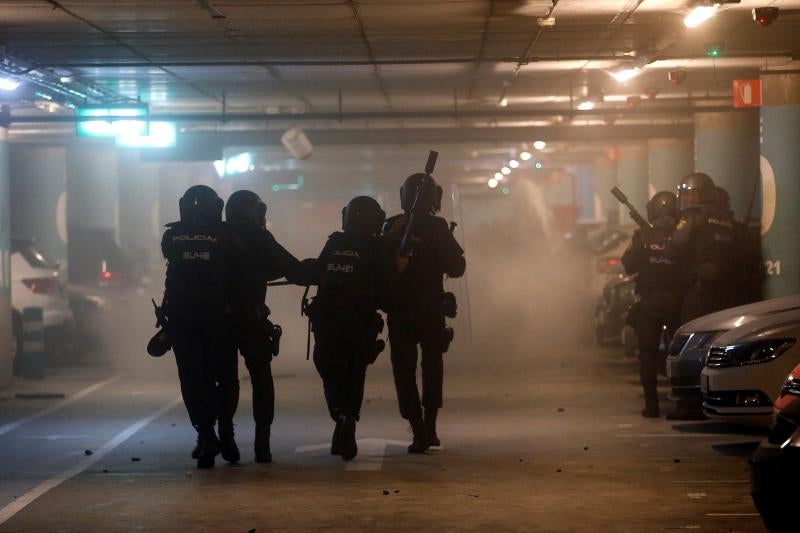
x=492, y=183
x=503, y=102
x=160, y=135
x=525, y=156
x=513, y=163
x=626, y=74
x=699, y=15
x=586, y=105
x=505, y=170
x=540, y=145
x=8, y=84
x=498, y=176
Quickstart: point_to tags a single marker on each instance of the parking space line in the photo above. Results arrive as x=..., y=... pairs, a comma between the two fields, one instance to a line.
x=732, y=514
x=60, y=405
x=23, y=501
x=681, y=435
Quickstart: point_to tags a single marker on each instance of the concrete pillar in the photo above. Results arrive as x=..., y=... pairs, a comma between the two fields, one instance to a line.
x=780, y=183
x=6, y=354
x=39, y=189
x=632, y=178
x=139, y=213
x=584, y=190
x=726, y=148
x=669, y=160
x=92, y=208
x=605, y=178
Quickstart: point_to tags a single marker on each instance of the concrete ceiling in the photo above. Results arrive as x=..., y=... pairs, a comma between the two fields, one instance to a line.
x=327, y=56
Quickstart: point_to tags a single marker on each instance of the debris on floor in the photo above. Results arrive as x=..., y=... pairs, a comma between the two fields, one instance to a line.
x=87, y=452
x=136, y=459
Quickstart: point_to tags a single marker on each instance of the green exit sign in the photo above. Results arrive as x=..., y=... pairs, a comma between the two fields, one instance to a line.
x=112, y=120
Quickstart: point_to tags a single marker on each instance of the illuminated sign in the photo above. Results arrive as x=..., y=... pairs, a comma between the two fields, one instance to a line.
x=235, y=164
x=161, y=135
x=111, y=121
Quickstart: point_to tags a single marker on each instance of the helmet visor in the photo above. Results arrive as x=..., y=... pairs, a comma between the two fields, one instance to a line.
x=688, y=197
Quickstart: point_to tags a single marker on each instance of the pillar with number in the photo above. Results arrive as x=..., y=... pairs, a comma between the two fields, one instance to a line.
x=780, y=183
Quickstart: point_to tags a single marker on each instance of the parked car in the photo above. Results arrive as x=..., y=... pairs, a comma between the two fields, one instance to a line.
x=746, y=367
x=690, y=344
x=36, y=282
x=617, y=297
x=775, y=465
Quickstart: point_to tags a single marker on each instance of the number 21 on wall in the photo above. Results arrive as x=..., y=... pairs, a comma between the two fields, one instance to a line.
x=773, y=267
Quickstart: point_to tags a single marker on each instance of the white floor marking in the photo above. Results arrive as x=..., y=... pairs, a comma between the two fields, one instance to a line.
x=703, y=481
x=681, y=436
x=371, y=453
x=60, y=405
x=732, y=514
x=55, y=437
x=23, y=501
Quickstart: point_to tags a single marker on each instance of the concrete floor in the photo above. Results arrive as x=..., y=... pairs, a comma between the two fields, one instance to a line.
x=559, y=446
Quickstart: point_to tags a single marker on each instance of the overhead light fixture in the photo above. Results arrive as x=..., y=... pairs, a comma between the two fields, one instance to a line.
x=525, y=156
x=714, y=49
x=233, y=165
x=9, y=84
x=626, y=74
x=492, y=183
x=513, y=163
x=498, y=176
x=66, y=79
x=539, y=145
x=700, y=14
x=159, y=135
x=503, y=102
x=506, y=171
x=587, y=104
x=539, y=164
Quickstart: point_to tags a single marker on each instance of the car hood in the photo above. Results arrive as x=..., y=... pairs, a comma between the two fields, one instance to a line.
x=736, y=317
x=781, y=324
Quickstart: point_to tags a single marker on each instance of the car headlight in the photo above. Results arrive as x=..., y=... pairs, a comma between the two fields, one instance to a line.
x=791, y=386
x=750, y=353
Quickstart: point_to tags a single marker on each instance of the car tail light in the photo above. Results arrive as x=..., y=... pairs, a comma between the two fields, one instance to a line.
x=607, y=264
x=108, y=276
x=42, y=285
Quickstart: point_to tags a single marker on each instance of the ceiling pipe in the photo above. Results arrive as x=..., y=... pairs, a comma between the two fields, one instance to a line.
x=517, y=114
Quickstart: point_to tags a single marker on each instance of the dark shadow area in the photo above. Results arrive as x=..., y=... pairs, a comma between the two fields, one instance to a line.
x=737, y=449
x=719, y=428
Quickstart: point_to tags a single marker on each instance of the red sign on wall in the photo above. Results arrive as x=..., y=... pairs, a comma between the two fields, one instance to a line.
x=746, y=93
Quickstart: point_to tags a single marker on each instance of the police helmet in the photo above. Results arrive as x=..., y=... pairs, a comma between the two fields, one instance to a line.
x=430, y=197
x=662, y=204
x=720, y=199
x=363, y=215
x=246, y=206
x=200, y=203
x=695, y=189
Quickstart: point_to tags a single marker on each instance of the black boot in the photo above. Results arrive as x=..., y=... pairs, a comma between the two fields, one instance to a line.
x=230, y=451
x=420, y=442
x=650, y=401
x=347, y=439
x=430, y=427
x=207, y=449
x=336, y=446
x=261, y=446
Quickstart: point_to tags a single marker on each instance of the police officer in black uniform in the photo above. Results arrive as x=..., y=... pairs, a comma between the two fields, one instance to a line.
x=708, y=240
x=255, y=337
x=416, y=312
x=345, y=317
x=660, y=287
x=203, y=262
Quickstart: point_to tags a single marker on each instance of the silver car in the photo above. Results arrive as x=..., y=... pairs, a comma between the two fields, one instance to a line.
x=690, y=344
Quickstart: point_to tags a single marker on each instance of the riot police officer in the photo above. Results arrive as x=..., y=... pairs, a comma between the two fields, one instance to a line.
x=416, y=312
x=255, y=337
x=203, y=262
x=659, y=285
x=708, y=241
x=345, y=317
